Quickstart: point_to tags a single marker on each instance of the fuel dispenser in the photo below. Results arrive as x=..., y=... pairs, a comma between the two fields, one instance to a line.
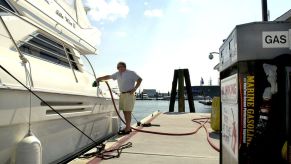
x=255, y=73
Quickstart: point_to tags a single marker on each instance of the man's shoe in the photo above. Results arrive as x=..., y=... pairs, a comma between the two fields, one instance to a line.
x=123, y=132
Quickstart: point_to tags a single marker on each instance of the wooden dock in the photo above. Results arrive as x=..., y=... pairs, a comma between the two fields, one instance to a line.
x=153, y=148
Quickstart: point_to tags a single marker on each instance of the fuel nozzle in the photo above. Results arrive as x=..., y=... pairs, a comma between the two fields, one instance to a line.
x=149, y=124
x=95, y=84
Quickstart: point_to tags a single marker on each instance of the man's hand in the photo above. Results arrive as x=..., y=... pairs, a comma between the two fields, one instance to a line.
x=102, y=78
x=95, y=83
x=132, y=91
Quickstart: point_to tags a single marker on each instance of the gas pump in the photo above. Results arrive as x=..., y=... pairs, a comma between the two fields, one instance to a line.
x=255, y=72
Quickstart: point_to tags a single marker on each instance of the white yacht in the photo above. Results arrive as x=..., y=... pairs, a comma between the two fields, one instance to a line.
x=41, y=45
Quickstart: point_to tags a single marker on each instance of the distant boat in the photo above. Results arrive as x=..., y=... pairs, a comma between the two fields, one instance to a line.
x=206, y=101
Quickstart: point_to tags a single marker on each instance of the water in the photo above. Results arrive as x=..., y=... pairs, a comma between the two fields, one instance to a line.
x=144, y=108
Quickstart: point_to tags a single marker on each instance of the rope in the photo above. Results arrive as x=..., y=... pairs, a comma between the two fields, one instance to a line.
x=29, y=76
x=106, y=154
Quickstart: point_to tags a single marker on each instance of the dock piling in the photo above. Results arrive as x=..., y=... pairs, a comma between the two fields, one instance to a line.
x=189, y=90
x=181, y=74
x=173, y=91
x=181, y=106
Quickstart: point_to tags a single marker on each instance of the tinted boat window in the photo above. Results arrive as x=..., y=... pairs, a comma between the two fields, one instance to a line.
x=3, y=3
x=44, y=48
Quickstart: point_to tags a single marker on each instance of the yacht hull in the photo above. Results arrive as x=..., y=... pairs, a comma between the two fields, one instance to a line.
x=41, y=46
x=94, y=116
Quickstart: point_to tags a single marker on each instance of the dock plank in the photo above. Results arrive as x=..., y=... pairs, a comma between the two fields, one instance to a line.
x=153, y=148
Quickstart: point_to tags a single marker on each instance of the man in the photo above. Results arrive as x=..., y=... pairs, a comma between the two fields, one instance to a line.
x=128, y=82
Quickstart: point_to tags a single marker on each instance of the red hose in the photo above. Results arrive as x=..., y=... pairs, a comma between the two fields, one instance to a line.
x=166, y=133
x=208, y=137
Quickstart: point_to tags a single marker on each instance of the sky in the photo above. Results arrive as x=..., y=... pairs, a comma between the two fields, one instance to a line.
x=155, y=37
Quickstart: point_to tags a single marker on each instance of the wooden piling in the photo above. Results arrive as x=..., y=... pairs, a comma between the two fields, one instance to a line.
x=189, y=90
x=181, y=74
x=174, y=91
x=181, y=106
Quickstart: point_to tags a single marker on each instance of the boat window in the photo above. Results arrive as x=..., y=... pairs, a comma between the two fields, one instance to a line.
x=5, y=5
x=44, y=48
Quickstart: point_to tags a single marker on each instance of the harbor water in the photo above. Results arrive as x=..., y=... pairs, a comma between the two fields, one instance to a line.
x=144, y=108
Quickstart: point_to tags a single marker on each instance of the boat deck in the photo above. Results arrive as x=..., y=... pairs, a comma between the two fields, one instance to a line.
x=154, y=148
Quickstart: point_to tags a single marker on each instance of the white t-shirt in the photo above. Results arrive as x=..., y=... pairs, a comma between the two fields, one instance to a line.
x=125, y=80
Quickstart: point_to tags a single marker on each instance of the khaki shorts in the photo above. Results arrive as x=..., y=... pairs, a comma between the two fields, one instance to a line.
x=126, y=101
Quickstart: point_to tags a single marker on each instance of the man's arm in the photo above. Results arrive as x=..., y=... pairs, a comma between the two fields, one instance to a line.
x=106, y=77
x=138, y=81
x=96, y=82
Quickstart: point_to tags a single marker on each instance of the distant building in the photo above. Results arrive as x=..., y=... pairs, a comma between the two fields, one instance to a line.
x=150, y=92
x=210, y=91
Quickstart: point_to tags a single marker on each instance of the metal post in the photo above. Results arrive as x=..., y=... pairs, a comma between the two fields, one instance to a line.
x=70, y=62
x=264, y=10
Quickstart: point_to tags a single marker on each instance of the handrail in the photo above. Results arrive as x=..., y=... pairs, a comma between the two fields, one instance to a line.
x=5, y=9
x=70, y=63
x=46, y=42
x=21, y=56
x=48, y=50
x=52, y=53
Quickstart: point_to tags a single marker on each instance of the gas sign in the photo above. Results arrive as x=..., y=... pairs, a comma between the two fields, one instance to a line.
x=275, y=39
